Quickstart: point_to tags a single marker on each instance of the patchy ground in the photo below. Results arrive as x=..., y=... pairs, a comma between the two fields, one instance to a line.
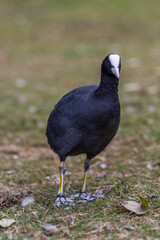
x=108, y=174
x=10, y=196
x=47, y=49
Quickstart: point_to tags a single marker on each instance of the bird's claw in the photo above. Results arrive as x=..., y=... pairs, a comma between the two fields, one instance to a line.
x=99, y=195
x=85, y=196
x=72, y=200
x=61, y=200
x=88, y=196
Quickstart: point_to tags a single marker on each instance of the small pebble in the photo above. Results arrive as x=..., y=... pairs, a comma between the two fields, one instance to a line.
x=21, y=82
x=35, y=214
x=103, y=165
x=130, y=228
x=151, y=109
x=27, y=201
x=10, y=172
x=49, y=229
x=40, y=124
x=32, y=109
x=15, y=156
x=149, y=166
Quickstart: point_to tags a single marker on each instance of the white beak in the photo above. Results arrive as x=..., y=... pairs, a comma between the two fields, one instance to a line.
x=115, y=71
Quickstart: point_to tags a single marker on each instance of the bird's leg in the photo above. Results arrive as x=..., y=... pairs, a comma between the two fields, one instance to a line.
x=61, y=200
x=82, y=194
x=62, y=170
x=86, y=168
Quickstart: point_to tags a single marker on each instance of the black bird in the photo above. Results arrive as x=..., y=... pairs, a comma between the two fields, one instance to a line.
x=86, y=119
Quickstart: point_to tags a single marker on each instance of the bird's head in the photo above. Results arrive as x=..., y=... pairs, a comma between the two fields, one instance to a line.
x=112, y=65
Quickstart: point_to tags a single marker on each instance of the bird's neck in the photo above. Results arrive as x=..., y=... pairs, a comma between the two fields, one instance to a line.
x=108, y=85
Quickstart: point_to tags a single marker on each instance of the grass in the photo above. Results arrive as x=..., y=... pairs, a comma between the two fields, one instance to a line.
x=47, y=49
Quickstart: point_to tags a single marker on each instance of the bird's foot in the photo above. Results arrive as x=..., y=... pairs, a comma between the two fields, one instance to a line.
x=87, y=197
x=99, y=195
x=79, y=197
x=66, y=201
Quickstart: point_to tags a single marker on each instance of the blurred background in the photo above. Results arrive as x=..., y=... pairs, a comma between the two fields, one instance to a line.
x=49, y=47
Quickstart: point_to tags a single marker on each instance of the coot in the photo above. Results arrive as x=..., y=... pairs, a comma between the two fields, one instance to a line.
x=85, y=120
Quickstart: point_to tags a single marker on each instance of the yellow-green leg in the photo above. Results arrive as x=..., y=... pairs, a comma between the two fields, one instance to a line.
x=86, y=196
x=82, y=194
x=61, y=200
x=62, y=169
x=86, y=168
x=84, y=182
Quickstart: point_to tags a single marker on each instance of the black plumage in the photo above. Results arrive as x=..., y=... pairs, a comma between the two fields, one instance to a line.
x=86, y=119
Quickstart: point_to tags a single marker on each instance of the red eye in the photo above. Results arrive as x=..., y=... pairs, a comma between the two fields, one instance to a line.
x=108, y=61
